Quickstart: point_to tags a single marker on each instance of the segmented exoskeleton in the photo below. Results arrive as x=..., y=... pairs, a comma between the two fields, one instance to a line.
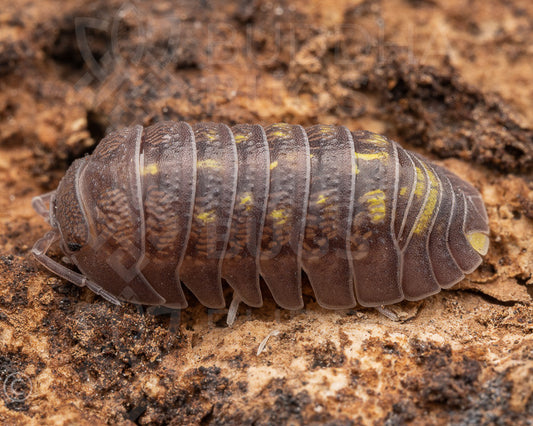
x=368, y=221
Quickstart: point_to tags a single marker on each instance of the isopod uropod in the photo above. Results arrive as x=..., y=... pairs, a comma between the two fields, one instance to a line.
x=368, y=221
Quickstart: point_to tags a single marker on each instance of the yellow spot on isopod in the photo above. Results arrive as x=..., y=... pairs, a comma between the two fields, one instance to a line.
x=207, y=217
x=377, y=139
x=403, y=190
x=280, y=134
x=382, y=155
x=273, y=165
x=240, y=138
x=247, y=200
x=279, y=215
x=150, y=169
x=429, y=207
x=211, y=135
x=420, y=188
x=375, y=201
x=208, y=164
x=479, y=242
x=322, y=199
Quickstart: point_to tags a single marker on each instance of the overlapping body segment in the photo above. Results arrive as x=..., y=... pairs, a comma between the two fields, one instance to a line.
x=328, y=221
x=216, y=184
x=176, y=204
x=168, y=172
x=240, y=267
x=374, y=249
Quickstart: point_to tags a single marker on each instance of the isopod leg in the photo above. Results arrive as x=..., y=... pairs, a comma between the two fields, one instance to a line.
x=41, y=204
x=233, y=308
x=387, y=313
x=39, y=251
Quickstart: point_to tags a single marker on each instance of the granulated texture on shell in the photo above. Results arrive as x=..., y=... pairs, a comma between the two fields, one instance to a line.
x=448, y=80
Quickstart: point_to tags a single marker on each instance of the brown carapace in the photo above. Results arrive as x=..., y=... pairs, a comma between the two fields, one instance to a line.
x=173, y=203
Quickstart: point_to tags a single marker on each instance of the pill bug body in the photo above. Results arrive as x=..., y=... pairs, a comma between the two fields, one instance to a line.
x=173, y=203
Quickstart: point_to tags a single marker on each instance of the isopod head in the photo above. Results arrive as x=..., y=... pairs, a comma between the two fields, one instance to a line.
x=99, y=223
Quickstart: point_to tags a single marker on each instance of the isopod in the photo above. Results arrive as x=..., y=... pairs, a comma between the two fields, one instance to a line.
x=368, y=222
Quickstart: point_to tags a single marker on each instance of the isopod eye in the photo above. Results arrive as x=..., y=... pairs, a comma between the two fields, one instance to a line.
x=73, y=246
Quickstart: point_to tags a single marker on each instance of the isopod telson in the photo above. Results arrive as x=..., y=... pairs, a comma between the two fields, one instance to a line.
x=368, y=221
